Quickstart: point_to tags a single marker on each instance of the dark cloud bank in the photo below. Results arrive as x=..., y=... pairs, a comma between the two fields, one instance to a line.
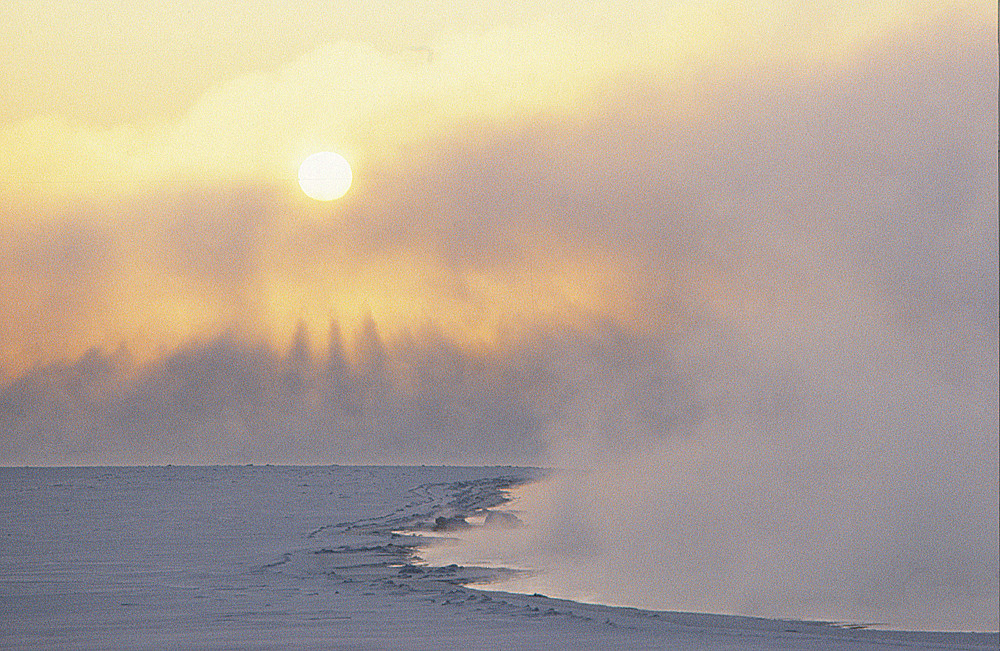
x=222, y=401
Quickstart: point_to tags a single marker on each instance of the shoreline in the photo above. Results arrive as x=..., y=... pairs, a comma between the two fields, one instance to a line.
x=505, y=574
x=317, y=557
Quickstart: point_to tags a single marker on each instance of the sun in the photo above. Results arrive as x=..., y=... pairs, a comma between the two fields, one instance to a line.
x=325, y=176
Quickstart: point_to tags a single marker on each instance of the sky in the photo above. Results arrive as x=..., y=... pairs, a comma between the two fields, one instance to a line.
x=735, y=260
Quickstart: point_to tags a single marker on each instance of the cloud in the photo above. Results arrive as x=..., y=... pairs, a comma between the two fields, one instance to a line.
x=226, y=400
x=825, y=207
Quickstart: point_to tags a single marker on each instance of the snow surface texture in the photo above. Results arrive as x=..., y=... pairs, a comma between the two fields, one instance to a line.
x=311, y=558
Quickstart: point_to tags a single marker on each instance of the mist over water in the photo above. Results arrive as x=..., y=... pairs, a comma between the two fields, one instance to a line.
x=856, y=489
x=750, y=524
x=823, y=442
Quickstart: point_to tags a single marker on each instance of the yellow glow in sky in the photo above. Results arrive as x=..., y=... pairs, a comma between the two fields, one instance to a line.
x=164, y=144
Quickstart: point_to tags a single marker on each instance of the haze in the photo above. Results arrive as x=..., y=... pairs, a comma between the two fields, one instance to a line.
x=736, y=263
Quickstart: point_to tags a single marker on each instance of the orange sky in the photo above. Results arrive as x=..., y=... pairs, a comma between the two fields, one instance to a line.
x=148, y=157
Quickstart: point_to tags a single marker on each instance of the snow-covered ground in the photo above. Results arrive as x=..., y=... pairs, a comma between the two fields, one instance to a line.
x=310, y=558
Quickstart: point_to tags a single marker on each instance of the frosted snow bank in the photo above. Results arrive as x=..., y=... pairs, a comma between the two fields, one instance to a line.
x=309, y=558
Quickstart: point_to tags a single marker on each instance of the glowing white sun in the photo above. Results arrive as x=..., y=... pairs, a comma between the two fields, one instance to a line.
x=325, y=176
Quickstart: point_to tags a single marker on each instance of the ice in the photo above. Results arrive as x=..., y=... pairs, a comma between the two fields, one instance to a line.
x=311, y=558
